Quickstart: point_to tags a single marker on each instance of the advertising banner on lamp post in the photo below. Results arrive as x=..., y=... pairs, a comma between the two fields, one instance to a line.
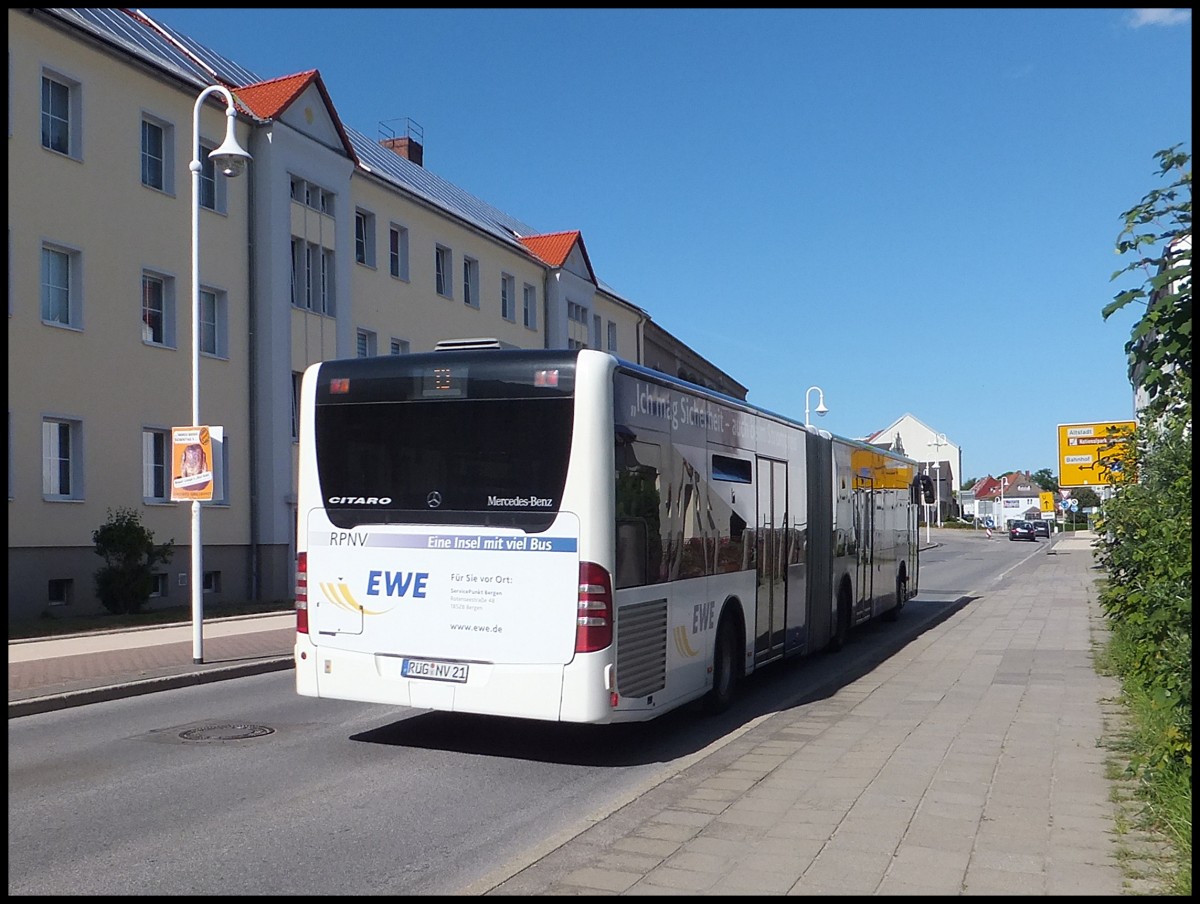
x=191, y=464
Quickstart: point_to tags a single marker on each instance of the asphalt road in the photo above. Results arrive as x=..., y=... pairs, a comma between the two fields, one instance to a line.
x=242, y=787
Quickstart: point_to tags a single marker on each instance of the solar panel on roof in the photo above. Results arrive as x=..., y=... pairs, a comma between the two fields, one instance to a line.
x=390, y=165
x=225, y=68
x=138, y=39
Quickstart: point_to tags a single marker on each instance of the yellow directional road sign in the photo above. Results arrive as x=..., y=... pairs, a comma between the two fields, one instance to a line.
x=1090, y=455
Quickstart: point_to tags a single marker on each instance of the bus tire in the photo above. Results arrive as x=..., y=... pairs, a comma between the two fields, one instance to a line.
x=841, y=629
x=901, y=592
x=726, y=660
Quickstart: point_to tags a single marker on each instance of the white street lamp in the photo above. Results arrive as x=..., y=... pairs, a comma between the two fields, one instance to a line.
x=1000, y=525
x=939, y=441
x=231, y=159
x=821, y=409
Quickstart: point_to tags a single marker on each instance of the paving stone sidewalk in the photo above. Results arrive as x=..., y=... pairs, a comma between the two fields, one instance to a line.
x=968, y=763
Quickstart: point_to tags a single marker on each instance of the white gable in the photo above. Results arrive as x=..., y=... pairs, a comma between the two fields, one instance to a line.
x=576, y=263
x=308, y=115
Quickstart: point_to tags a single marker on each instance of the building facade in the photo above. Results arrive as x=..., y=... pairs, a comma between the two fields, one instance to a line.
x=331, y=244
x=1012, y=497
x=936, y=456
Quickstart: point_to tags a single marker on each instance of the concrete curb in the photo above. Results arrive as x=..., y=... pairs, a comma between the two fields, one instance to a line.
x=51, y=702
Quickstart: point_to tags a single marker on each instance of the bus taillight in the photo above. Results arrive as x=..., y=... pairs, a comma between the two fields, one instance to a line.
x=593, y=627
x=302, y=593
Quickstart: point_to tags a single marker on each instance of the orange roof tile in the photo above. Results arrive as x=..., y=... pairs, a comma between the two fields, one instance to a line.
x=554, y=247
x=267, y=100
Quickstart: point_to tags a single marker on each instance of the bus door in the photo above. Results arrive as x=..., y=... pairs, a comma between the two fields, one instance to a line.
x=771, y=538
x=818, y=453
x=864, y=528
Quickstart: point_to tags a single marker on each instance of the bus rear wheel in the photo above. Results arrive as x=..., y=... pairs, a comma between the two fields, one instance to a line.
x=901, y=592
x=725, y=668
x=841, y=630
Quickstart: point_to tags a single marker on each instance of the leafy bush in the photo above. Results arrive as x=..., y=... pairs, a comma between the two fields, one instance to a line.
x=126, y=580
x=1145, y=545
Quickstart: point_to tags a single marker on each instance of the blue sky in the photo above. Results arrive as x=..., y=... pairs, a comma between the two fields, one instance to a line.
x=915, y=210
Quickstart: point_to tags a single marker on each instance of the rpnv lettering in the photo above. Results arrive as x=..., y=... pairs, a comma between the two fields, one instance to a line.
x=397, y=583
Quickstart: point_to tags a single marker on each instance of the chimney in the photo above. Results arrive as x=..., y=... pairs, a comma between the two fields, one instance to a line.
x=409, y=145
x=408, y=148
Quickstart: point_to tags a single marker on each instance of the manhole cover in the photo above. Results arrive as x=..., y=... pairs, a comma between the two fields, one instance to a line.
x=231, y=732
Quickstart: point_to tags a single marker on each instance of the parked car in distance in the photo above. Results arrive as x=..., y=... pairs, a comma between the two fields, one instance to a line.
x=1022, y=530
x=1041, y=528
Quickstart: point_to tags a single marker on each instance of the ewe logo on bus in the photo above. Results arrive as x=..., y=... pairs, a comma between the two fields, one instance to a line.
x=385, y=583
x=703, y=619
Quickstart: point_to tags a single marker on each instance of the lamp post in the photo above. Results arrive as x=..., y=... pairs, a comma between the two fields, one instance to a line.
x=1000, y=525
x=821, y=409
x=231, y=159
x=939, y=441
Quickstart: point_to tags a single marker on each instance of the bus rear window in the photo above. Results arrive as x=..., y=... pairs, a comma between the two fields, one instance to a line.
x=493, y=461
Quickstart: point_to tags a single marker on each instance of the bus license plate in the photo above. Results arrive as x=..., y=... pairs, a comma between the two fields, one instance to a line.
x=433, y=670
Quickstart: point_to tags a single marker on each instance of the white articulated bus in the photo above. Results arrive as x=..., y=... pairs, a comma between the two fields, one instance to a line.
x=567, y=536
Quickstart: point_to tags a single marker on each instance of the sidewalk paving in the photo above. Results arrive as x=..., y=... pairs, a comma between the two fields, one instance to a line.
x=56, y=673
x=967, y=763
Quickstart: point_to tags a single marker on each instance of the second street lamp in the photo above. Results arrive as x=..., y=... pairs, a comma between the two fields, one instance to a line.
x=939, y=441
x=821, y=409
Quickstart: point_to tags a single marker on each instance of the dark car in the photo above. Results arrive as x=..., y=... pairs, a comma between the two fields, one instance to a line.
x=1022, y=530
x=1041, y=528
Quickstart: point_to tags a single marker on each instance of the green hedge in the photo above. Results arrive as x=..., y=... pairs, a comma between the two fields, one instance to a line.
x=1145, y=545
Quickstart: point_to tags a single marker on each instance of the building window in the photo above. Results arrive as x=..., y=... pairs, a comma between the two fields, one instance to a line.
x=529, y=310
x=364, y=238
x=156, y=470
x=508, y=297
x=471, y=282
x=297, y=382
x=60, y=115
x=61, y=459
x=158, y=310
x=59, y=591
x=577, y=325
x=212, y=189
x=365, y=344
x=158, y=139
x=441, y=267
x=612, y=337
x=60, y=286
x=159, y=587
x=312, y=277
x=398, y=252
x=324, y=288
x=214, y=326
x=597, y=324
x=211, y=582
x=400, y=346
x=311, y=195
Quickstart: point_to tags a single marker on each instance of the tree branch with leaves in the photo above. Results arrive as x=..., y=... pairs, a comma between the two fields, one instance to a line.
x=1158, y=232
